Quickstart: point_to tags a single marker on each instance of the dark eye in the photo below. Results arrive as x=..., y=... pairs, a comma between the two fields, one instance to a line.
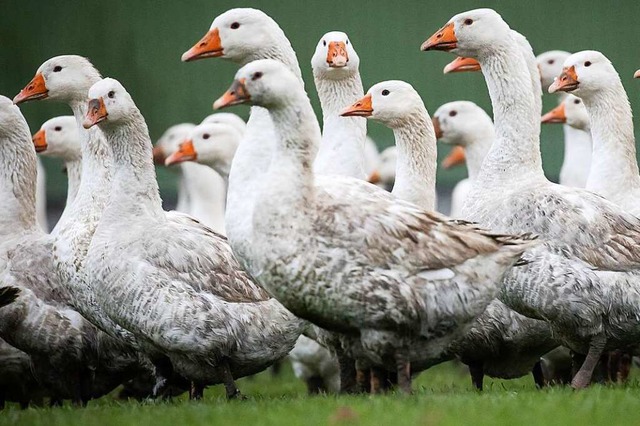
x=57, y=128
x=577, y=101
x=111, y=94
x=385, y=92
x=57, y=68
x=256, y=75
x=347, y=42
x=468, y=21
x=235, y=25
x=551, y=61
x=324, y=42
x=206, y=136
x=453, y=113
x=587, y=64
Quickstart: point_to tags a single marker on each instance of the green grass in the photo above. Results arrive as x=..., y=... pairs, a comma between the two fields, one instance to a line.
x=443, y=396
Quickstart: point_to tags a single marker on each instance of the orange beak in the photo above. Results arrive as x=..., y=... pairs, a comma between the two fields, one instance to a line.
x=455, y=157
x=567, y=81
x=209, y=46
x=337, y=56
x=159, y=156
x=461, y=64
x=36, y=89
x=444, y=39
x=636, y=74
x=96, y=113
x=374, y=177
x=237, y=94
x=186, y=152
x=362, y=108
x=40, y=140
x=556, y=115
x=436, y=127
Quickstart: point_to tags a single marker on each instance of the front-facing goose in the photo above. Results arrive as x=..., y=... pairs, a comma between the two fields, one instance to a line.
x=379, y=271
x=174, y=284
x=586, y=238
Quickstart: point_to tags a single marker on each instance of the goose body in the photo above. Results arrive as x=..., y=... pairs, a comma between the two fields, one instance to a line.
x=574, y=281
x=188, y=297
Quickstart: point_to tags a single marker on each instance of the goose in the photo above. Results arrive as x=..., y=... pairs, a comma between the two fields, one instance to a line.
x=572, y=112
x=466, y=125
x=177, y=286
x=226, y=118
x=17, y=382
x=636, y=74
x=371, y=156
x=385, y=174
x=59, y=138
x=614, y=168
x=366, y=231
x=576, y=278
x=337, y=78
x=41, y=197
x=577, y=148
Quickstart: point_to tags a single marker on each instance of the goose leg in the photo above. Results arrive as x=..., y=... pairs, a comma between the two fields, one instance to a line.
x=403, y=367
x=582, y=379
x=163, y=373
x=363, y=380
x=229, y=384
x=347, y=374
x=477, y=375
x=315, y=385
x=377, y=377
x=196, y=391
x=538, y=377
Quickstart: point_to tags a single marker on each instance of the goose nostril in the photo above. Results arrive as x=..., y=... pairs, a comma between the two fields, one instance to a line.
x=439, y=35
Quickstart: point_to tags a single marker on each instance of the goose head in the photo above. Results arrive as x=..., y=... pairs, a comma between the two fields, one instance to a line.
x=64, y=78
x=389, y=102
x=586, y=74
x=59, y=137
x=571, y=111
x=550, y=66
x=266, y=82
x=109, y=105
x=459, y=122
x=11, y=119
x=237, y=35
x=335, y=58
x=169, y=141
x=470, y=34
x=228, y=118
x=213, y=144
x=636, y=74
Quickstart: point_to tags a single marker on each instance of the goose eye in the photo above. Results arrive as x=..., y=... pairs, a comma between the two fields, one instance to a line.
x=551, y=61
x=587, y=64
x=111, y=94
x=57, y=68
x=256, y=75
x=347, y=42
x=324, y=42
x=57, y=128
x=453, y=113
x=385, y=92
x=577, y=101
x=468, y=21
x=235, y=25
x=206, y=136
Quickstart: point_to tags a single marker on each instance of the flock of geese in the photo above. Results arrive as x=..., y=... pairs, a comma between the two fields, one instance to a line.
x=362, y=288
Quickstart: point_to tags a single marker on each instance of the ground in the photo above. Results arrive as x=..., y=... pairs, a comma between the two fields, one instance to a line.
x=443, y=396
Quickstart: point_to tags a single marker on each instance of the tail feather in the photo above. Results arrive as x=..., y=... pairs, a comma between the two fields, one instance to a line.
x=8, y=295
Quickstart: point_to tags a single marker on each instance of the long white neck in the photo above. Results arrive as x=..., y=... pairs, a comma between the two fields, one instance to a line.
x=515, y=154
x=577, y=157
x=95, y=180
x=207, y=194
x=477, y=147
x=417, y=160
x=343, y=138
x=18, y=172
x=74, y=175
x=134, y=189
x=614, y=168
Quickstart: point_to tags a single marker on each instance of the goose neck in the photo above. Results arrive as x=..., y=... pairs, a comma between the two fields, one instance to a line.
x=343, y=138
x=477, y=148
x=74, y=176
x=417, y=157
x=515, y=154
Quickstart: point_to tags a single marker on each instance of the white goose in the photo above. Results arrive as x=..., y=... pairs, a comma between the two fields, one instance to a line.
x=466, y=125
x=316, y=241
x=577, y=147
x=41, y=197
x=173, y=283
x=337, y=77
x=59, y=137
x=614, y=167
x=569, y=281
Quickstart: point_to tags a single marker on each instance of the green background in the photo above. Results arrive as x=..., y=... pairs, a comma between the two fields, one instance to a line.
x=140, y=43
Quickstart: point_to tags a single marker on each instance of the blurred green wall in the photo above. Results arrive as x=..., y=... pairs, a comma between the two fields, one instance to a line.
x=140, y=43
